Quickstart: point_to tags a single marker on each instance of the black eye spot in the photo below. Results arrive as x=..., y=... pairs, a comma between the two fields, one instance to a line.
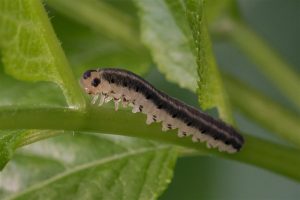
x=95, y=82
x=87, y=74
x=112, y=80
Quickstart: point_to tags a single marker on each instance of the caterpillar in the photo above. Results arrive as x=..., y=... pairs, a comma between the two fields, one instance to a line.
x=125, y=87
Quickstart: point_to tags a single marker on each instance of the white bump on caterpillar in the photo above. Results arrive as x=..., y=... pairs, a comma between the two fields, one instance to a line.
x=161, y=115
x=107, y=98
x=102, y=98
x=208, y=145
x=117, y=101
x=164, y=126
x=95, y=98
x=213, y=143
x=229, y=149
x=195, y=138
x=124, y=103
x=203, y=138
x=135, y=109
x=150, y=119
x=222, y=147
x=181, y=133
x=148, y=108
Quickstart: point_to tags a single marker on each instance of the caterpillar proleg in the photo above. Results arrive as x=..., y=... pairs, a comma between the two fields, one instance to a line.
x=126, y=88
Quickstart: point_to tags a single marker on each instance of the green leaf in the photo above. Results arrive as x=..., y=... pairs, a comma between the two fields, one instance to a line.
x=19, y=93
x=169, y=45
x=210, y=92
x=115, y=168
x=30, y=50
x=8, y=142
x=11, y=140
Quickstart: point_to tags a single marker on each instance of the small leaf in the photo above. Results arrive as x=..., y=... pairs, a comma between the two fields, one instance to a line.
x=8, y=142
x=30, y=50
x=11, y=140
x=210, y=92
x=168, y=44
x=115, y=168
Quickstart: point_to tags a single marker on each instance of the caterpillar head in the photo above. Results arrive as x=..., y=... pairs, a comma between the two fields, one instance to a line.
x=91, y=82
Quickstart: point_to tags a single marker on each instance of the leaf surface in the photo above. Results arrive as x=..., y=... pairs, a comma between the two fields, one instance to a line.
x=169, y=45
x=211, y=92
x=89, y=166
x=30, y=50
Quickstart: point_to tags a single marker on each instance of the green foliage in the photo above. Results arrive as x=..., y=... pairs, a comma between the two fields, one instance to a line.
x=210, y=89
x=38, y=91
x=171, y=52
x=115, y=168
x=30, y=50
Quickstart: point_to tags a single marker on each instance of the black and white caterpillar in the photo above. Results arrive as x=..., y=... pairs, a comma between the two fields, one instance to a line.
x=131, y=90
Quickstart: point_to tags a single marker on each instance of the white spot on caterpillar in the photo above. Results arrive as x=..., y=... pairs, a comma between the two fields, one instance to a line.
x=95, y=97
x=150, y=119
x=117, y=101
x=135, y=109
x=102, y=98
x=107, y=99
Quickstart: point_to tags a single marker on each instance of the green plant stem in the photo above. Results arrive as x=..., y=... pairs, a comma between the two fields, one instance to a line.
x=264, y=111
x=274, y=157
x=274, y=67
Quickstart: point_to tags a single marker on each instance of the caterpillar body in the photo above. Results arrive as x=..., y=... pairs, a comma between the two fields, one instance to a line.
x=125, y=87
